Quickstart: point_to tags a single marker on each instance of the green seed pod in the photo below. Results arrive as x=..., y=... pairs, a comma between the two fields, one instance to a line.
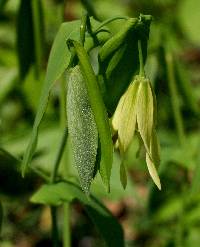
x=100, y=113
x=82, y=128
x=114, y=43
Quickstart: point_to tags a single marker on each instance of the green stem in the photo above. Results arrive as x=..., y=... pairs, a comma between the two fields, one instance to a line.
x=90, y=8
x=54, y=231
x=37, y=24
x=104, y=23
x=141, y=60
x=55, y=236
x=174, y=97
x=83, y=28
x=59, y=155
x=65, y=163
x=63, y=120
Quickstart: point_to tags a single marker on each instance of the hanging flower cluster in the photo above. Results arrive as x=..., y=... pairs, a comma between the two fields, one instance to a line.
x=136, y=110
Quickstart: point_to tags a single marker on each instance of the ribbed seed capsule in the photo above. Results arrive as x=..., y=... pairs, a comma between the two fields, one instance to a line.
x=82, y=128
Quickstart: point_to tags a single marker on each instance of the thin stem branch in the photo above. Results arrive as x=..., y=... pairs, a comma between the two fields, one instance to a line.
x=141, y=60
x=54, y=229
x=174, y=96
x=104, y=23
x=59, y=155
x=37, y=24
x=55, y=237
x=65, y=165
x=83, y=28
x=90, y=8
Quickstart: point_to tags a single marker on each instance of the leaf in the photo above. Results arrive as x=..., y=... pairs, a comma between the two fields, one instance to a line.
x=124, y=119
x=58, y=61
x=82, y=128
x=9, y=169
x=99, y=112
x=107, y=225
x=145, y=113
x=25, y=37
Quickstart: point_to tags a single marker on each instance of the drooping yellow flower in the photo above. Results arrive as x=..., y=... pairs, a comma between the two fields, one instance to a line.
x=137, y=108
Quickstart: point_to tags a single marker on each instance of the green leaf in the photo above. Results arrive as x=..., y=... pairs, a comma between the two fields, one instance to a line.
x=25, y=37
x=58, y=61
x=9, y=169
x=82, y=128
x=99, y=112
x=107, y=225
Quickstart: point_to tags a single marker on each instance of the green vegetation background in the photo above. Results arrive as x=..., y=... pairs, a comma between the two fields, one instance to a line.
x=149, y=217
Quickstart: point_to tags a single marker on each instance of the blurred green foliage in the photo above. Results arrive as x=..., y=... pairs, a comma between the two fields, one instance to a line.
x=149, y=217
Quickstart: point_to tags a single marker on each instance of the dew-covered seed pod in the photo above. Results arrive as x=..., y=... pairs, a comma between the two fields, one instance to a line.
x=82, y=128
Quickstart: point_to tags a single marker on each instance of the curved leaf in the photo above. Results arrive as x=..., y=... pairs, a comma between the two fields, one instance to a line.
x=58, y=61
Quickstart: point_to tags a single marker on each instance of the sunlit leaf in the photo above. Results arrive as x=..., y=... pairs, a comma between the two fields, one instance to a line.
x=107, y=225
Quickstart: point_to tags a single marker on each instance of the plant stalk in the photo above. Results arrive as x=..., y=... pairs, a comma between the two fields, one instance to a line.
x=66, y=206
x=37, y=27
x=141, y=60
x=174, y=97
